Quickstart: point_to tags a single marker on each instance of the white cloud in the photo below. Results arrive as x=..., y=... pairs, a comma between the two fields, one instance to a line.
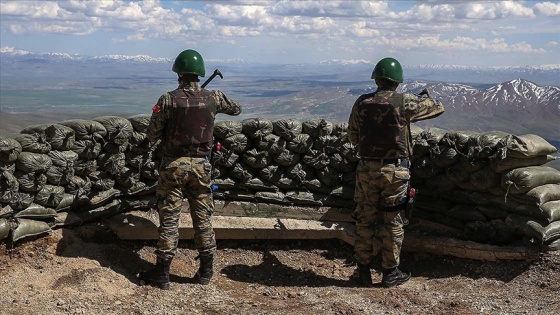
x=547, y=9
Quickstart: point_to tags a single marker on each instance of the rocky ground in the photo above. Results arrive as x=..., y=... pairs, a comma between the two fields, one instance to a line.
x=88, y=270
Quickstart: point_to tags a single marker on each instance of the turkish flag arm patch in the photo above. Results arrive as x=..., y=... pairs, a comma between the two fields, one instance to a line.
x=156, y=109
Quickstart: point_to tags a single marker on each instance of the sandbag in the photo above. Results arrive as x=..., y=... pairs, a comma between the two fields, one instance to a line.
x=300, y=172
x=145, y=202
x=33, y=162
x=444, y=156
x=502, y=165
x=227, y=128
x=36, y=212
x=327, y=144
x=485, y=144
x=432, y=135
x=4, y=229
x=50, y=196
x=8, y=186
x=140, y=122
x=539, y=195
x=257, y=184
x=86, y=129
x=256, y=158
x=271, y=197
x=242, y=172
x=21, y=200
x=27, y=227
x=317, y=127
x=338, y=162
x=225, y=157
x=271, y=143
x=535, y=228
x=119, y=129
x=286, y=158
x=345, y=192
x=9, y=149
x=36, y=143
x=226, y=183
x=316, y=159
x=237, y=143
x=101, y=180
x=525, y=146
x=6, y=211
x=304, y=198
x=425, y=168
x=30, y=182
x=287, y=128
x=521, y=180
x=317, y=186
x=300, y=143
x=329, y=176
x=340, y=128
x=256, y=128
x=60, y=137
x=87, y=149
x=459, y=140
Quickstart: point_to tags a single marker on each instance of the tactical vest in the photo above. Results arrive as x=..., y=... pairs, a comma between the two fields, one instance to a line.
x=191, y=126
x=383, y=129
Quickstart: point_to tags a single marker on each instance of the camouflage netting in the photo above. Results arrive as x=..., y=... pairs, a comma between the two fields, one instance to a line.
x=492, y=186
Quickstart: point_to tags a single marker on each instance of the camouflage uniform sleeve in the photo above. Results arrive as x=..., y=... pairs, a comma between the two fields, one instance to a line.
x=421, y=108
x=353, y=125
x=225, y=105
x=160, y=113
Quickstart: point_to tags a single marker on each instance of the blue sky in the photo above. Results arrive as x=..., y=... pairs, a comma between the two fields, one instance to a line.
x=471, y=33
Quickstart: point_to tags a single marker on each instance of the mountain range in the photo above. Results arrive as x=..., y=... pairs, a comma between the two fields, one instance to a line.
x=517, y=100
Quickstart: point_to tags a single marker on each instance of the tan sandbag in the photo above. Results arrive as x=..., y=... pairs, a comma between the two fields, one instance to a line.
x=535, y=228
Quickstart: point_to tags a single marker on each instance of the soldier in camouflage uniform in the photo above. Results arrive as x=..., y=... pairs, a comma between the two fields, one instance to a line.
x=184, y=120
x=380, y=125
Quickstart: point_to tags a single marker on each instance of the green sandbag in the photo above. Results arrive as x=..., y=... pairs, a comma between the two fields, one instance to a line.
x=4, y=229
x=28, y=227
x=535, y=228
x=525, y=146
x=500, y=166
x=37, y=212
x=521, y=180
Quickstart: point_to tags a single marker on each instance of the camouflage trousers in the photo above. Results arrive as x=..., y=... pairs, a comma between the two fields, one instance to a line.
x=179, y=178
x=379, y=186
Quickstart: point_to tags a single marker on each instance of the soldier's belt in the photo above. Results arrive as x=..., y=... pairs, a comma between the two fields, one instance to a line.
x=397, y=162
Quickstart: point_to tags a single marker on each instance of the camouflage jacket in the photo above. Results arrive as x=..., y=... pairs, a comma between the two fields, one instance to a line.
x=385, y=137
x=171, y=119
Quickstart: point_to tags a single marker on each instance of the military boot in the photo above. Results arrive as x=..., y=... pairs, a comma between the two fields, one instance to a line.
x=158, y=276
x=364, y=275
x=393, y=277
x=206, y=269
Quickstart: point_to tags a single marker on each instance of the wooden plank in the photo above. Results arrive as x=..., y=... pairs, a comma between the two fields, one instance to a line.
x=140, y=225
x=269, y=210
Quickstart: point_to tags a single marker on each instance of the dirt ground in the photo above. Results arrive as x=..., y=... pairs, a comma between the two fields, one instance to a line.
x=88, y=270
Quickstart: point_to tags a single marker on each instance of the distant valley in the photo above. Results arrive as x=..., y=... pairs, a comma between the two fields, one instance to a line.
x=50, y=88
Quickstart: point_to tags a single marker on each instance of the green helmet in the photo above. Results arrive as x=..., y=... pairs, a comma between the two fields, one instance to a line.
x=189, y=61
x=388, y=68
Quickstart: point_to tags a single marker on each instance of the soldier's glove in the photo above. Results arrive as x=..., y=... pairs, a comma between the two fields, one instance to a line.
x=424, y=92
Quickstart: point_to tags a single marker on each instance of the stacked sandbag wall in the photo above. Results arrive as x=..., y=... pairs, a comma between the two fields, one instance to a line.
x=493, y=187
